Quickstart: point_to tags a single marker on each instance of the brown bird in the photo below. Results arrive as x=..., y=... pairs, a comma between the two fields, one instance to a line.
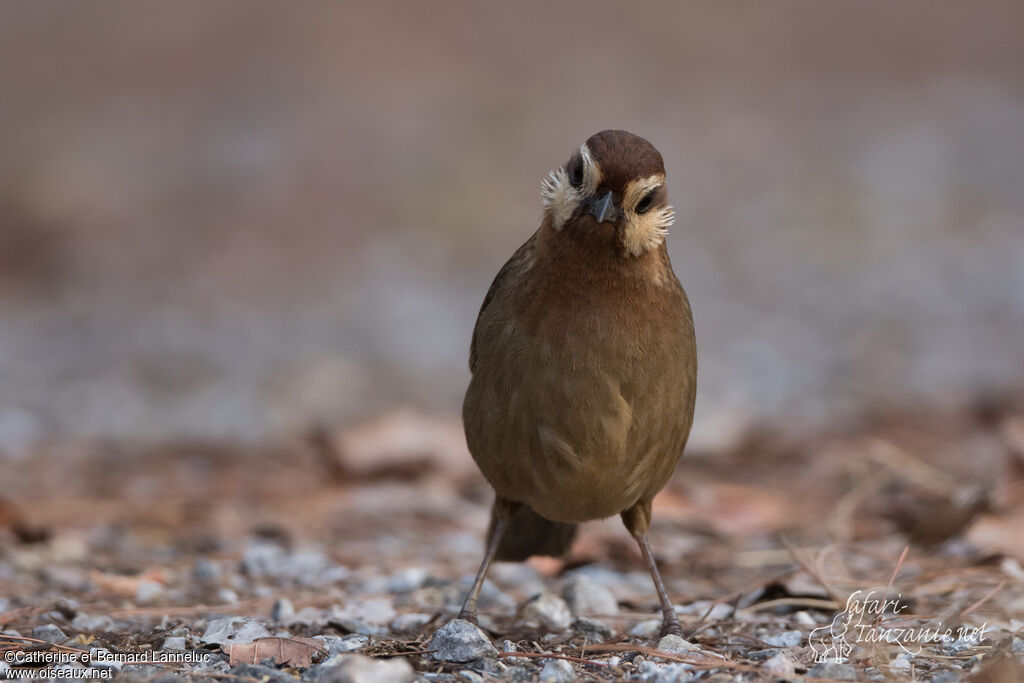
x=584, y=362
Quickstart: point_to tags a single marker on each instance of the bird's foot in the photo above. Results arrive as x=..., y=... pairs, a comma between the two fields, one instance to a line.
x=671, y=627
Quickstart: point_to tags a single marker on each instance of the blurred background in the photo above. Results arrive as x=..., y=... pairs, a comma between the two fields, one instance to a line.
x=235, y=221
x=243, y=246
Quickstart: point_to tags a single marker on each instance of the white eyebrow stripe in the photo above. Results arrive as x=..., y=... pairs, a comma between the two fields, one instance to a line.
x=638, y=189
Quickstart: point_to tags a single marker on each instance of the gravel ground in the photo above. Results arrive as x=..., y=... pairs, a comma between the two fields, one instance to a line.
x=346, y=557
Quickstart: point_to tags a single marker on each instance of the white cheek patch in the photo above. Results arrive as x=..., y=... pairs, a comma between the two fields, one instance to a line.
x=643, y=232
x=560, y=198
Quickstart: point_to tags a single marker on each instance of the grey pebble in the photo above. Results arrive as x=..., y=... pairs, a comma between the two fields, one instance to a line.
x=646, y=629
x=592, y=629
x=282, y=611
x=338, y=645
x=836, y=670
x=547, y=611
x=785, y=639
x=50, y=633
x=353, y=668
x=587, y=597
x=557, y=671
x=675, y=644
x=148, y=591
x=470, y=676
x=265, y=674
x=410, y=622
x=781, y=666
x=92, y=623
x=946, y=677
x=307, y=567
x=407, y=580
x=174, y=643
x=231, y=630
x=676, y=672
x=206, y=572
x=461, y=641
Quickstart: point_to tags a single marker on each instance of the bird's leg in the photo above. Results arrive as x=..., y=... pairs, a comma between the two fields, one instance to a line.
x=637, y=519
x=503, y=511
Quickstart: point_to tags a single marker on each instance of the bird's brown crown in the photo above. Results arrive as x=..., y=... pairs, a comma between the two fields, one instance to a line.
x=615, y=177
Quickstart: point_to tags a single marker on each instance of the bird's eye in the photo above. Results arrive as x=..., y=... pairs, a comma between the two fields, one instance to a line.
x=576, y=171
x=645, y=204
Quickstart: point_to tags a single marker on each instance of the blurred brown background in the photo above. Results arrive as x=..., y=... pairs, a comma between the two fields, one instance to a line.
x=235, y=220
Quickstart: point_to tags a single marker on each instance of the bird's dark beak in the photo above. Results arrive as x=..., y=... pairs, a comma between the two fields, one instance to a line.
x=602, y=209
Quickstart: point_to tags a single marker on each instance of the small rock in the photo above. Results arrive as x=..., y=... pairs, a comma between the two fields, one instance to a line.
x=50, y=633
x=1017, y=646
x=148, y=591
x=901, y=663
x=520, y=674
x=306, y=567
x=804, y=618
x=674, y=644
x=407, y=580
x=353, y=668
x=174, y=643
x=557, y=671
x=587, y=597
x=675, y=672
x=264, y=674
x=410, y=622
x=227, y=596
x=311, y=616
x=781, y=665
x=946, y=677
x=836, y=670
x=517, y=575
x=470, y=676
x=373, y=611
x=206, y=572
x=547, y=611
x=232, y=630
x=761, y=655
x=92, y=623
x=592, y=629
x=508, y=646
x=461, y=641
x=784, y=639
x=282, y=611
x=338, y=645
x=646, y=629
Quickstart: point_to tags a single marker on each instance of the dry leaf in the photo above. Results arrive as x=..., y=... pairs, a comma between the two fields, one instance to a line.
x=293, y=652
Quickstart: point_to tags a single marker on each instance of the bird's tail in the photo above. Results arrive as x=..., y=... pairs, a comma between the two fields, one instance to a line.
x=530, y=534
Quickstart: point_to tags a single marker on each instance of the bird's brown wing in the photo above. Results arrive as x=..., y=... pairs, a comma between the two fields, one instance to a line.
x=511, y=272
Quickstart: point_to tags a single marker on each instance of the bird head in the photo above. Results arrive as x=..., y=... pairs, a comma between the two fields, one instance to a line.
x=612, y=189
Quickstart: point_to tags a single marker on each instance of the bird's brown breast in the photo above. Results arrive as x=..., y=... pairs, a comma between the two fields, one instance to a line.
x=584, y=374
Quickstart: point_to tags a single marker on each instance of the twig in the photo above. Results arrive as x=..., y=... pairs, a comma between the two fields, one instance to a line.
x=545, y=655
x=985, y=599
x=813, y=572
x=795, y=602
